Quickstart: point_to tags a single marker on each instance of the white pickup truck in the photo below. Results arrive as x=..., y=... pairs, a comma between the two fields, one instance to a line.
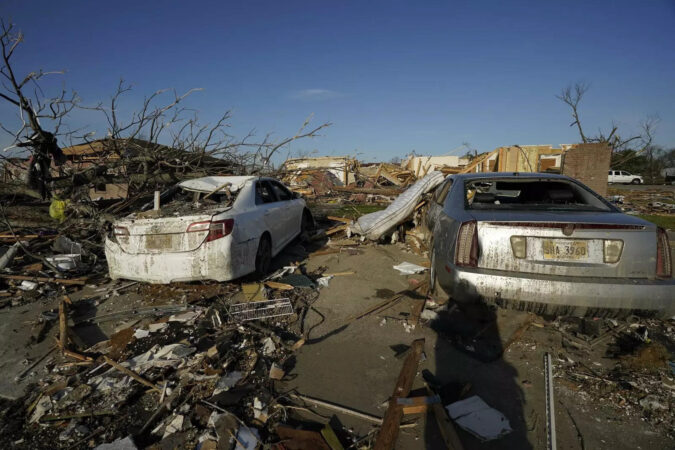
x=621, y=176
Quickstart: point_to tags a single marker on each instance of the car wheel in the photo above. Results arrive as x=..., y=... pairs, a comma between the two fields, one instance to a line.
x=263, y=257
x=636, y=181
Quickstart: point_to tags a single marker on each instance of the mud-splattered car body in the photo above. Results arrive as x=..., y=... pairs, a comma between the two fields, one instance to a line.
x=215, y=237
x=546, y=243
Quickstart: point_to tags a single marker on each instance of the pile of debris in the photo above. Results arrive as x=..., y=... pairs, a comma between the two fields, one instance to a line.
x=198, y=372
x=38, y=263
x=648, y=201
x=632, y=371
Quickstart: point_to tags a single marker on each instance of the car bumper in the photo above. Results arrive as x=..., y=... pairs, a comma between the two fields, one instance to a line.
x=580, y=292
x=219, y=260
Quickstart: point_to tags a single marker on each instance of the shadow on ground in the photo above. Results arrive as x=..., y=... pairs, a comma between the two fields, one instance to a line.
x=468, y=361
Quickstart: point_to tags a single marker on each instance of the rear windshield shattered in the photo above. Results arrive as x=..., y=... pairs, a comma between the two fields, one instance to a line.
x=177, y=201
x=537, y=194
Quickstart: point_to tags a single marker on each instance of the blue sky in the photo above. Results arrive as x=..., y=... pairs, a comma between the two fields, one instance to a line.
x=391, y=76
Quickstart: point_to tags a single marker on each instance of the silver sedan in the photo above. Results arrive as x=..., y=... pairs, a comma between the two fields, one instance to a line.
x=545, y=243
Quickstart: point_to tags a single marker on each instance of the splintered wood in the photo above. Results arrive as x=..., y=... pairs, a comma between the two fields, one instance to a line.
x=63, y=326
x=392, y=418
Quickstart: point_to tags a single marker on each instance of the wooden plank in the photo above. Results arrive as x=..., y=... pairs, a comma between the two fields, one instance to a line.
x=386, y=438
x=391, y=178
x=338, y=274
x=63, y=326
x=477, y=161
x=32, y=267
x=417, y=309
x=280, y=286
x=76, y=355
x=414, y=409
x=357, y=190
x=340, y=219
x=339, y=408
x=448, y=432
x=131, y=373
x=336, y=229
x=377, y=174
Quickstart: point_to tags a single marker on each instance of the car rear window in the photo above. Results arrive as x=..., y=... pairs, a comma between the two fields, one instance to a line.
x=534, y=194
x=177, y=201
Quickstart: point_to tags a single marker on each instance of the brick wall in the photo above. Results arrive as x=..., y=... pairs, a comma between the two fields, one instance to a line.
x=588, y=163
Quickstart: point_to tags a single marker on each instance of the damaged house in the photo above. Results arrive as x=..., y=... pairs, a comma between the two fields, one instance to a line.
x=587, y=163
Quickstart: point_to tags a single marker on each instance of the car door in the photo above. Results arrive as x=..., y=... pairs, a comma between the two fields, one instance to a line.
x=266, y=201
x=291, y=211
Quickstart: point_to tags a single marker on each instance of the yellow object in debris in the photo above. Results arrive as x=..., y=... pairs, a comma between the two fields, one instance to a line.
x=57, y=209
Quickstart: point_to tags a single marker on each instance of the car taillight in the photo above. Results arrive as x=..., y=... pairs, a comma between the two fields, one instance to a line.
x=120, y=234
x=216, y=229
x=664, y=267
x=466, y=247
x=120, y=231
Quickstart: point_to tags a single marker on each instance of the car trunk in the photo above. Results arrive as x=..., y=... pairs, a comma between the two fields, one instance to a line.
x=566, y=243
x=161, y=235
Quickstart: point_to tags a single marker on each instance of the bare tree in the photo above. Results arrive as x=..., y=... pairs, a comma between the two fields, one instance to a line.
x=32, y=108
x=163, y=137
x=572, y=96
x=161, y=142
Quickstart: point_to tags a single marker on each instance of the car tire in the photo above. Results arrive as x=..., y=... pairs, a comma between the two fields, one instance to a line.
x=263, y=257
x=636, y=181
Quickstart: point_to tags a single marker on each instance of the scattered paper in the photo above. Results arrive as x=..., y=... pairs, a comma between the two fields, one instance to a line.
x=407, y=268
x=323, y=281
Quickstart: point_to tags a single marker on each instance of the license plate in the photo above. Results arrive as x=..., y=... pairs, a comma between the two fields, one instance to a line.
x=559, y=249
x=158, y=241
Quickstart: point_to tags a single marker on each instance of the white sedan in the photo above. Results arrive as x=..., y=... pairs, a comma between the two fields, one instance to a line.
x=211, y=228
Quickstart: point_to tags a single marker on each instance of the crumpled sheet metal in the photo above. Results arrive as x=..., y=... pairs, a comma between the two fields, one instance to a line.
x=376, y=224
